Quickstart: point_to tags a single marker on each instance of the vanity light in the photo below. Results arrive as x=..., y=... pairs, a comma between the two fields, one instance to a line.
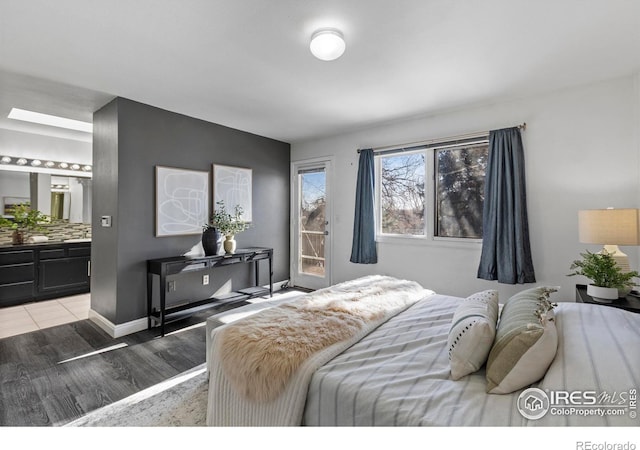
x=20, y=164
x=327, y=44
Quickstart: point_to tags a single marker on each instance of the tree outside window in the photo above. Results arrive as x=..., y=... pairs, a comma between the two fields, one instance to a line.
x=457, y=190
x=402, y=194
x=460, y=174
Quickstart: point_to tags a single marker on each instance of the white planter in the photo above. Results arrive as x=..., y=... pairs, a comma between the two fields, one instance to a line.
x=602, y=294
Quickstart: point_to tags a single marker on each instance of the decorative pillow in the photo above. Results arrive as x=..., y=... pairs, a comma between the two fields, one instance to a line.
x=473, y=330
x=526, y=341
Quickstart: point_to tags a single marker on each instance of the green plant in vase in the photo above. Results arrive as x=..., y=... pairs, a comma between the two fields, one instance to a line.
x=25, y=220
x=228, y=224
x=608, y=281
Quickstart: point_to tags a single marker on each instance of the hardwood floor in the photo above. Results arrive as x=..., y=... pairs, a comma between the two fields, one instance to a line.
x=53, y=376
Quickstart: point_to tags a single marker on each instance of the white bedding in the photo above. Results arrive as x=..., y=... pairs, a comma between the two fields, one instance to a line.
x=367, y=302
x=399, y=374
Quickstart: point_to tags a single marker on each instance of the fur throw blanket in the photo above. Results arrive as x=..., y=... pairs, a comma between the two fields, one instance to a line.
x=259, y=354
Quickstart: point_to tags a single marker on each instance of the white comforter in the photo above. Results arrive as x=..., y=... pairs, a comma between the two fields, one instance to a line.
x=399, y=373
x=370, y=301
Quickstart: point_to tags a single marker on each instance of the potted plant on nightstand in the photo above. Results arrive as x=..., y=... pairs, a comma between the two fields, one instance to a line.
x=228, y=224
x=25, y=220
x=608, y=281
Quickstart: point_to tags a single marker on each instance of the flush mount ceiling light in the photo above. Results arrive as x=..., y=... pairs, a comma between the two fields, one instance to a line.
x=327, y=44
x=46, y=119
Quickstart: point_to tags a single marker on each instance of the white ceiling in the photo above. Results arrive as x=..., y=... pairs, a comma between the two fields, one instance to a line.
x=246, y=63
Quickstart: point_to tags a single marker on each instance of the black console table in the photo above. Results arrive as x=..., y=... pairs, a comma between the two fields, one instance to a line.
x=164, y=267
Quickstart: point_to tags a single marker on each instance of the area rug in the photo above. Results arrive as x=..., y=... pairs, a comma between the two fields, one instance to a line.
x=180, y=401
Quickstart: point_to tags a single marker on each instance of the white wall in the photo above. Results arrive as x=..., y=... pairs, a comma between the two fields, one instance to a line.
x=16, y=143
x=13, y=184
x=581, y=150
x=76, y=197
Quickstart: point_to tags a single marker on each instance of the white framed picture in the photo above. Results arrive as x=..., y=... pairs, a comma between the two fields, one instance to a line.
x=182, y=201
x=233, y=185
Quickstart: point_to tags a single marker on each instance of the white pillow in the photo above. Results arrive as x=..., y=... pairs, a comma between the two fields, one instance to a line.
x=472, y=332
x=526, y=341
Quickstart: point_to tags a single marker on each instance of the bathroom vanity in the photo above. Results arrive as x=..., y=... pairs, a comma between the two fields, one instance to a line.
x=34, y=272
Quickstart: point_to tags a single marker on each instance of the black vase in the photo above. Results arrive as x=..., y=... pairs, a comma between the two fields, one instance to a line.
x=210, y=238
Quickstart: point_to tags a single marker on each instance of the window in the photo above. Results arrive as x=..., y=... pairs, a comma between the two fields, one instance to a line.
x=402, y=194
x=459, y=176
x=457, y=191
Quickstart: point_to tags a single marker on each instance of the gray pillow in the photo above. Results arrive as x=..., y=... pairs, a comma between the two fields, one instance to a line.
x=526, y=342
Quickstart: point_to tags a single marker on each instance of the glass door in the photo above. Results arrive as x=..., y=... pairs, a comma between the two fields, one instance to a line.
x=311, y=226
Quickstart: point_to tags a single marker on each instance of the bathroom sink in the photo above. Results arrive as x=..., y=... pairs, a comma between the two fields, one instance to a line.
x=78, y=240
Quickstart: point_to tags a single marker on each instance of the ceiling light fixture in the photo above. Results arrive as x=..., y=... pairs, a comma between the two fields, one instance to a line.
x=46, y=119
x=327, y=44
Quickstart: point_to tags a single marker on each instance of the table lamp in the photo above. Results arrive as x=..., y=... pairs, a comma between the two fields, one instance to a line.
x=611, y=228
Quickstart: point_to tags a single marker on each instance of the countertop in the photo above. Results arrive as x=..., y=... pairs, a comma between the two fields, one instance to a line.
x=27, y=246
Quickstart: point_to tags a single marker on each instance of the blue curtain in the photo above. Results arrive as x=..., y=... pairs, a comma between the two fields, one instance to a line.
x=506, y=252
x=363, y=249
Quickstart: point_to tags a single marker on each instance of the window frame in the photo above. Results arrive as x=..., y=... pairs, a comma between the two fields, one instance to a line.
x=430, y=221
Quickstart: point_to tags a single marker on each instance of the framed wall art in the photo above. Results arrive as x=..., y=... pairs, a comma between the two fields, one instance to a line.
x=182, y=201
x=233, y=186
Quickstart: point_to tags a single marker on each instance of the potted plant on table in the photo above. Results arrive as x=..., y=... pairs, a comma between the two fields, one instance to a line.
x=227, y=224
x=25, y=220
x=608, y=281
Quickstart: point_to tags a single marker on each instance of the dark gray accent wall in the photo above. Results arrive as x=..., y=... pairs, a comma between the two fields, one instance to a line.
x=104, y=249
x=125, y=157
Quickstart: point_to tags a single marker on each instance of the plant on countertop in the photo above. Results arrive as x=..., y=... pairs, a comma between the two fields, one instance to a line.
x=227, y=224
x=603, y=271
x=24, y=220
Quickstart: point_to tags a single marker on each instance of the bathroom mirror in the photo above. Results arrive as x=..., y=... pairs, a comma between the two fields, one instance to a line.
x=62, y=197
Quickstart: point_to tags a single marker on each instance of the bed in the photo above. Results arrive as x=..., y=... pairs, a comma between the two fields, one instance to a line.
x=397, y=373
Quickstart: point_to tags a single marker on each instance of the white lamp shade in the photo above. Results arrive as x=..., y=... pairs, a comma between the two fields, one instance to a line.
x=609, y=226
x=327, y=44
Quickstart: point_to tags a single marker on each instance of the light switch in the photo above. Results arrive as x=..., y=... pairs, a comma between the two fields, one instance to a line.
x=105, y=221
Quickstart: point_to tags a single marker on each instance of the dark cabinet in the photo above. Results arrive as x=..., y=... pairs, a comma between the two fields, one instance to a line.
x=39, y=272
x=64, y=274
x=17, y=275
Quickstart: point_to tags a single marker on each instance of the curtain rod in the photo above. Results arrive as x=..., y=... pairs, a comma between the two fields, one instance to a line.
x=453, y=139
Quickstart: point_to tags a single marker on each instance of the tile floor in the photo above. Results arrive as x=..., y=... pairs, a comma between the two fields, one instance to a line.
x=38, y=315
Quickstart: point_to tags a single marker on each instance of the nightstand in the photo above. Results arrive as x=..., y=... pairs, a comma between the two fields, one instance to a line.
x=629, y=303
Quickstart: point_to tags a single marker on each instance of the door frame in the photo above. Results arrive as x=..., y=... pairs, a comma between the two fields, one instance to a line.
x=329, y=163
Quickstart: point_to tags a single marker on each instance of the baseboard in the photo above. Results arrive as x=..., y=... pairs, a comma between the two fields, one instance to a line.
x=278, y=285
x=119, y=330
x=122, y=329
